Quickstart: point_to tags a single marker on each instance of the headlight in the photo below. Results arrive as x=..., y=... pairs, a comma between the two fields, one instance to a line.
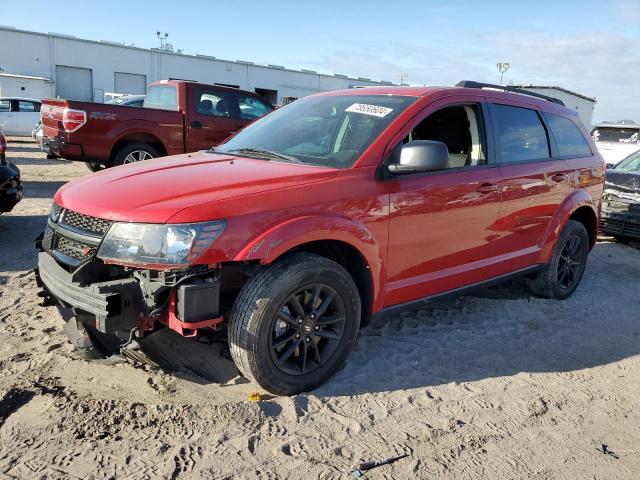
x=158, y=244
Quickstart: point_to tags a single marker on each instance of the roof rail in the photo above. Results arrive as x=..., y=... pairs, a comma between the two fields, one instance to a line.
x=182, y=79
x=506, y=88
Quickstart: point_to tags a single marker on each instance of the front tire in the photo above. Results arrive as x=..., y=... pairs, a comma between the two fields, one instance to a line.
x=561, y=276
x=294, y=323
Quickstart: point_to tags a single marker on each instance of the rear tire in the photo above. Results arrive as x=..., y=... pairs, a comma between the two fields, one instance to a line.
x=561, y=276
x=294, y=323
x=134, y=152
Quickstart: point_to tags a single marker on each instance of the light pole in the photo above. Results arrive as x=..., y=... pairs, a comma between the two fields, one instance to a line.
x=163, y=38
x=502, y=68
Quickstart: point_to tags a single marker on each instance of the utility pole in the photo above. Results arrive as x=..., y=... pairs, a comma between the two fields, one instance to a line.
x=403, y=77
x=502, y=68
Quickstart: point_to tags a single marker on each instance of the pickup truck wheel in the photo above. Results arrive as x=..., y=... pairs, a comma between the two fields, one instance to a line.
x=560, y=277
x=135, y=152
x=294, y=323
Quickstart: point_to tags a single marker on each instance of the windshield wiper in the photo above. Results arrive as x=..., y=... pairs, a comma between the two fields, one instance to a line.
x=265, y=154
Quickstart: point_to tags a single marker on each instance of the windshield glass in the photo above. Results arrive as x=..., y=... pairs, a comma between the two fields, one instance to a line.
x=330, y=131
x=615, y=134
x=630, y=164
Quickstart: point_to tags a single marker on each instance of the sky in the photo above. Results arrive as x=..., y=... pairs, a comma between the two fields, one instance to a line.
x=591, y=47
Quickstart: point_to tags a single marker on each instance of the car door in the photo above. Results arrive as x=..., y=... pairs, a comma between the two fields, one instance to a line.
x=212, y=118
x=441, y=223
x=27, y=117
x=7, y=117
x=534, y=183
x=250, y=108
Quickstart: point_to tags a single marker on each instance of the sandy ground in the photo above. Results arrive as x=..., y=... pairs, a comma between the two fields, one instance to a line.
x=500, y=385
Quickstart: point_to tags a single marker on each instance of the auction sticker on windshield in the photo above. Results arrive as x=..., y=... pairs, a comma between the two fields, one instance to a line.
x=374, y=110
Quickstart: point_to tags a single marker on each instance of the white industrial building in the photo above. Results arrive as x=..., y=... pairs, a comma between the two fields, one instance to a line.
x=86, y=70
x=581, y=103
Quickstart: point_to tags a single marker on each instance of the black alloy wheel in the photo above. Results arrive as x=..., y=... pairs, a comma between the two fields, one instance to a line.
x=307, y=329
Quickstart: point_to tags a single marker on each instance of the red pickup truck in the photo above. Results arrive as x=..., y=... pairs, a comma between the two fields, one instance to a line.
x=177, y=117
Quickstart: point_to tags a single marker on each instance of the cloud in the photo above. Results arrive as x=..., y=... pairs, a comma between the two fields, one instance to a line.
x=597, y=64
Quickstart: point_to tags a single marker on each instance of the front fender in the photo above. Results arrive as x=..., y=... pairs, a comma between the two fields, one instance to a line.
x=576, y=199
x=281, y=238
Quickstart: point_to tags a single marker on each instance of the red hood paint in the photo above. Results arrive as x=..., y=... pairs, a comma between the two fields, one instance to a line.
x=154, y=191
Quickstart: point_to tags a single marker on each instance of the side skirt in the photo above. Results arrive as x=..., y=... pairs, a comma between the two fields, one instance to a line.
x=423, y=302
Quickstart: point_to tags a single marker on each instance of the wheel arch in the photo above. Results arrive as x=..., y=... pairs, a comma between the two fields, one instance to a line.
x=343, y=240
x=579, y=206
x=137, y=137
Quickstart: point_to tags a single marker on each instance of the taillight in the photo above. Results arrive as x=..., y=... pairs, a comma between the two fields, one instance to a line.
x=72, y=120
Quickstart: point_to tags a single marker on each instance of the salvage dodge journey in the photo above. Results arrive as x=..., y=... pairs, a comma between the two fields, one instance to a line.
x=336, y=208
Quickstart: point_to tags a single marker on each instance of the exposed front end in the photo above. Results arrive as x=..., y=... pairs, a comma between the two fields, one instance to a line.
x=78, y=272
x=621, y=214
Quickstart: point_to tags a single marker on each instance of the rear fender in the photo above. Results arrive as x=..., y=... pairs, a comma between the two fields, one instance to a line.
x=281, y=238
x=577, y=198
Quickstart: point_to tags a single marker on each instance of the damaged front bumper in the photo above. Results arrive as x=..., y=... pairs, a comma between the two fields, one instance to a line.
x=116, y=304
x=138, y=302
x=621, y=214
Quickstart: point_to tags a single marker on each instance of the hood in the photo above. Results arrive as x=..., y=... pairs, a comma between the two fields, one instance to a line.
x=623, y=181
x=155, y=190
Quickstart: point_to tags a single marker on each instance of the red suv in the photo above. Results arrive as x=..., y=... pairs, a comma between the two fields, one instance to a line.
x=334, y=208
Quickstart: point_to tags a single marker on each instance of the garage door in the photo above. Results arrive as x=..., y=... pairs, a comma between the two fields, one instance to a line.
x=131, y=83
x=74, y=83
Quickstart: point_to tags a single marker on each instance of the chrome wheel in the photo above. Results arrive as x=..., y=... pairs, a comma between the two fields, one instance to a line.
x=307, y=330
x=137, y=156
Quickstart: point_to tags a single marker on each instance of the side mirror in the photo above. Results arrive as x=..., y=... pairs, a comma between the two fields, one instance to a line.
x=610, y=165
x=421, y=156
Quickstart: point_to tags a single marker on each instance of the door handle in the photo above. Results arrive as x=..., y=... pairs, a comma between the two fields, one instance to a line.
x=559, y=177
x=487, y=188
x=196, y=124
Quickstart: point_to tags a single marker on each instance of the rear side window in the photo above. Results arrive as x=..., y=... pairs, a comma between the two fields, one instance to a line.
x=212, y=103
x=520, y=134
x=28, y=106
x=5, y=105
x=571, y=142
x=251, y=108
x=163, y=97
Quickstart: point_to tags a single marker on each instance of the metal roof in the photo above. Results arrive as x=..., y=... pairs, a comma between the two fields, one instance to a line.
x=560, y=89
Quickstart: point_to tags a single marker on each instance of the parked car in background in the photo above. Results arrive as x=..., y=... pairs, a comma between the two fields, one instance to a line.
x=38, y=136
x=331, y=209
x=621, y=200
x=128, y=100
x=10, y=184
x=177, y=117
x=18, y=115
x=616, y=141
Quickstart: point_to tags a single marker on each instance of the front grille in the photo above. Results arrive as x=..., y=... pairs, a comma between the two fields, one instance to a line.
x=634, y=207
x=75, y=250
x=86, y=223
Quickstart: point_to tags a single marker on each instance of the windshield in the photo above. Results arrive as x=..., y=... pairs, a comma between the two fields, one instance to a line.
x=330, y=131
x=615, y=134
x=630, y=164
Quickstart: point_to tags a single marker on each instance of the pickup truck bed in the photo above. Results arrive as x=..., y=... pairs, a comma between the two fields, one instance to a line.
x=177, y=117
